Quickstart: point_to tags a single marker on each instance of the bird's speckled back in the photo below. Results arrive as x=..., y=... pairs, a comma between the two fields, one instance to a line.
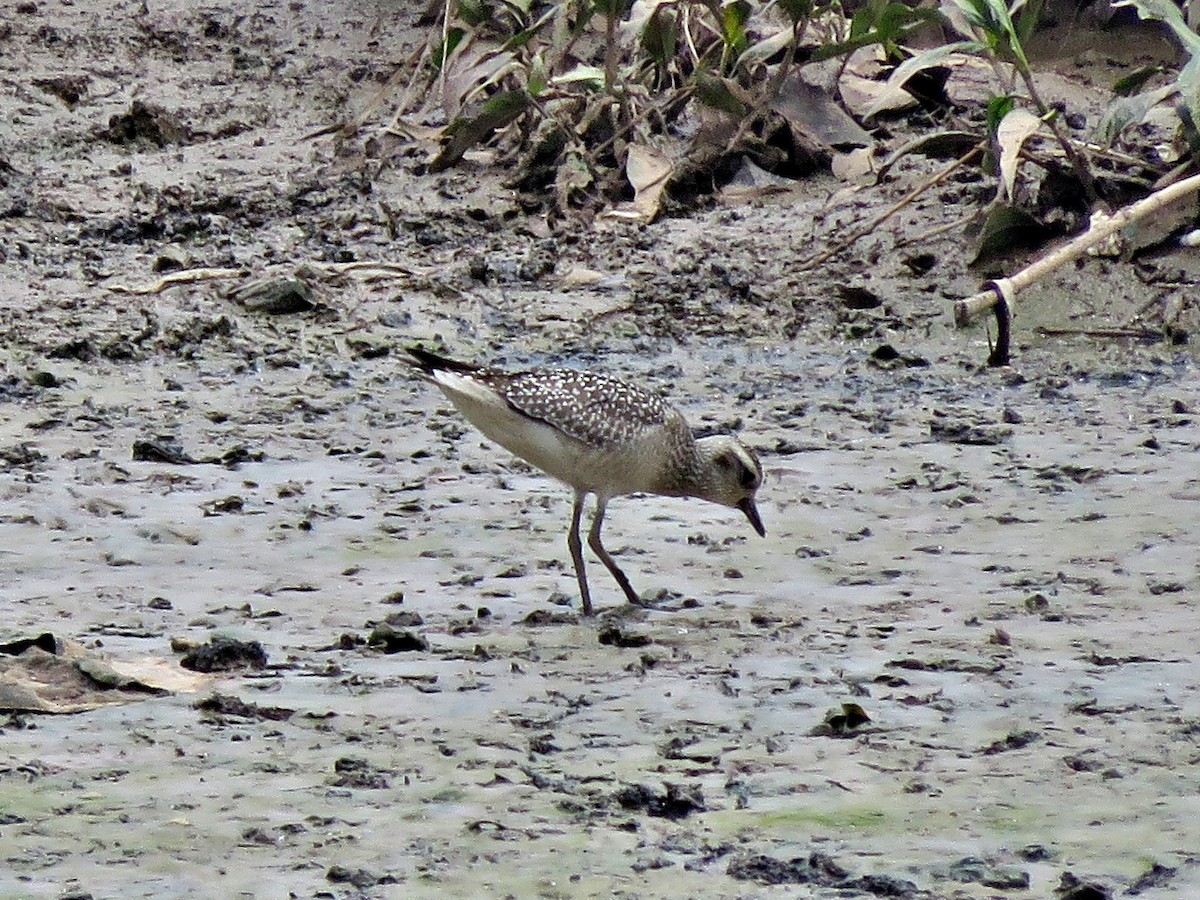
x=596, y=409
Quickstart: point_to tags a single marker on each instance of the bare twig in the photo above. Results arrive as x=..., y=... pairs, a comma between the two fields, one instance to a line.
x=187, y=276
x=971, y=307
x=1078, y=163
x=908, y=198
x=610, y=50
x=773, y=87
x=953, y=224
x=1140, y=333
x=670, y=99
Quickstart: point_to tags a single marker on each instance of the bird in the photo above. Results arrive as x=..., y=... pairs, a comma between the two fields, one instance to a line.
x=598, y=435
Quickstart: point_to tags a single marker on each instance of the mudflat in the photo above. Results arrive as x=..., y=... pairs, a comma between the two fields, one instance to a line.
x=997, y=567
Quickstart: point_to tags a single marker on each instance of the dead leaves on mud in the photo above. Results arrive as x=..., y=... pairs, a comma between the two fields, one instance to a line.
x=612, y=108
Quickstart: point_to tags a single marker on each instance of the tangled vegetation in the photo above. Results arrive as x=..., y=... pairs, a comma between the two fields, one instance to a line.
x=617, y=107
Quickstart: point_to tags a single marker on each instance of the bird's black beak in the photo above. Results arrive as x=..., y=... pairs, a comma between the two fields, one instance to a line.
x=747, y=506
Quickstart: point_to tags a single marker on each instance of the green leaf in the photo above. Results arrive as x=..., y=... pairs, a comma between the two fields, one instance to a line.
x=888, y=27
x=734, y=17
x=1136, y=80
x=974, y=12
x=445, y=49
x=862, y=22
x=997, y=109
x=466, y=131
x=1006, y=229
x=896, y=20
x=538, y=76
x=660, y=37
x=797, y=10
x=473, y=12
x=1027, y=20
x=612, y=9
x=714, y=92
x=527, y=32
x=992, y=19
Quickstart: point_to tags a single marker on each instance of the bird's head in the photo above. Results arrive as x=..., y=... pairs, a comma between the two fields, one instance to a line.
x=734, y=476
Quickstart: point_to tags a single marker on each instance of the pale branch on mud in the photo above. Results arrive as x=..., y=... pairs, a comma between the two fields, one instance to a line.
x=1001, y=293
x=187, y=276
x=971, y=307
x=378, y=268
x=367, y=265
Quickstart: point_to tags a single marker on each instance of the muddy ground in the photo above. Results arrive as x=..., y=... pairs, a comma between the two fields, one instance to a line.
x=998, y=566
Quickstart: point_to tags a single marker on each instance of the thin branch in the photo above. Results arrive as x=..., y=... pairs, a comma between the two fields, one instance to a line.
x=939, y=230
x=908, y=198
x=610, y=49
x=187, y=276
x=968, y=309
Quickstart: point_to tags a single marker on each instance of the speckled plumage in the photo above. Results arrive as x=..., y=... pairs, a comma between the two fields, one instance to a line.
x=601, y=436
x=597, y=409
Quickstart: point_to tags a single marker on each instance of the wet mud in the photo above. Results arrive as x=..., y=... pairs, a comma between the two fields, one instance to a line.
x=962, y=664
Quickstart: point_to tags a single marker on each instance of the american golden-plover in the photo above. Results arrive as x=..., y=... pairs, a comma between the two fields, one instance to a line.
x=601, y=436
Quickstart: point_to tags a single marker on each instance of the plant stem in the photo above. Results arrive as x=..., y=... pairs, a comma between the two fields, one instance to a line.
x=1050, y=117
x=774, y=85
x=610, y=50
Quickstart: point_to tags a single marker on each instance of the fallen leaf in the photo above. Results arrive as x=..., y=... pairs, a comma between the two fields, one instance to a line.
x=855, y=167
x=866, y=97
x=1014, y=130
x=816, y=120
x=648, y=173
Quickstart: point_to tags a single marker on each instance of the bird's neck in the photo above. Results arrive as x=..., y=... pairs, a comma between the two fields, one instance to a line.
x=687, y=473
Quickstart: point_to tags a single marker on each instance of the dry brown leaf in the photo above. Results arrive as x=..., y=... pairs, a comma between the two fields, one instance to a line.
x=866, y=97
x=817, y=122
x=855, y=167
x=753, y=182
x=1015, y=128
x=648, y=172
x=469, y=70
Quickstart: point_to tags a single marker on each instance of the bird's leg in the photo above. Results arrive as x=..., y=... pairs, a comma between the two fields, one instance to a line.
x=576, y=547
x=609, y=562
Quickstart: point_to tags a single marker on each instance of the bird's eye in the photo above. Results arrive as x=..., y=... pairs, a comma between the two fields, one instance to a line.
x=749, y=478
